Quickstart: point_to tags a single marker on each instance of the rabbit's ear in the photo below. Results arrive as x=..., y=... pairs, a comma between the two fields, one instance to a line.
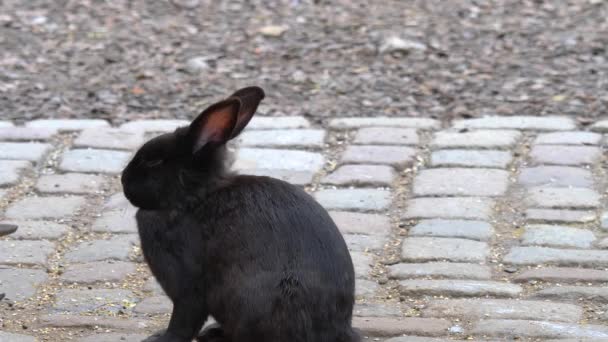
x=250, y=98
x=215, y=124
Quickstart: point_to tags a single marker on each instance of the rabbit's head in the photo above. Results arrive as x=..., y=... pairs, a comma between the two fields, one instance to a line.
x=190, y=160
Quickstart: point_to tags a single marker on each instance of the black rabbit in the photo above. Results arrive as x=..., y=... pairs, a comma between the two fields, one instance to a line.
x=258, y=254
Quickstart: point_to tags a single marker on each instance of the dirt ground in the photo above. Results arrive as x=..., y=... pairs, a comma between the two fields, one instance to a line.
x=121, y=60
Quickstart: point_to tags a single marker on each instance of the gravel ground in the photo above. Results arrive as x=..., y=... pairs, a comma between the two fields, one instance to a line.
x=121, y=60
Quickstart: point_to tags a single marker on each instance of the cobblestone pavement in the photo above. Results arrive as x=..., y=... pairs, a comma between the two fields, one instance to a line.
x=485, y=229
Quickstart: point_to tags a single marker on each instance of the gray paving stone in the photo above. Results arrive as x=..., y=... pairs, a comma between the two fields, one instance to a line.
x=365, y=288
x=354, y=199
x=67, y=124
x=258, y=158
x=116, y=221
x=5, y=123
x=38, y=230
x=14, y=252
x=10, y=337
x=458, y=288
x=393, y=326
x=565, y=155
x=379, y=121
x=73, y=183
x=461, y=182
x=363, y=263
x=45, y=207
x=116, y=248
x=282, y=138
x=361, y=175
x=386, y=136
x=556, y=176
x=113, y=337
x=95, y=300
x=358, y=223
x=471, y=158
x=153, y=286
x=560, y=216
x=11, y=170
x=101, y=271
x=19, y=284
x=398, y=156
x=59, y=320
x=376, y=310
x=416, y=339
x=557, y=236
x=154, y=306
x=452, y=207
x=539, y=123
x=600, y=126
x=26, y=133
x=568, y=138
x=32, y=151
x=156, y=126
x=359, y=242
x=110, y=138
x=577, y=198
x=574, y=293
x=476, y=139
x=603, y=243
x=503, y=309
x=277, y=122
x=475, y=230
x=539, y=329
x=563, y=275
x=561, y=257
x=293, y=177
x=421, y=249
x=441, y=270
x=92, y=160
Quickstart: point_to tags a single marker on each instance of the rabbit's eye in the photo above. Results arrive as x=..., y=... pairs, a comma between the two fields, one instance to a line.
x=153, y=163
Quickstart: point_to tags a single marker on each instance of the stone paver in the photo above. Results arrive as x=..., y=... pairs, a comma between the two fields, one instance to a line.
x=386, y=136
x=154, y=306
x=45, y=207
x=391, y=326
x=258, y=158
x=565, y=155
x=359, y=223
x=282, y=122
x=568, y=138
x=293, y=177
x=556, y=176
x=503, y=309
x=361, y=175
x=574, y=293
x=363, y=263
x=379, y=121
x=62, y=320
x=420, y=249
x=359, y=242
x=32, y=151
x=11, y=170
x=461, y=182
x=25, y=252
x=365, y=288
x=471, y=158
x=476, y=230
x=67, y=124
x=541, y=123
x=298, y=138
x=85, y=300
x=354, y=199
x=72, y=183
x=577, y=198
x=38, y=230
x=560, y=216
x=452, y=207
x=557, y=236
x=20, y=284
x=538, y=329
x=476, y=139
x=93, y=160
x=563, y=257
x=101, y=271
x=26, y=133
x=156, y=126
x=116, y=221
x=113, y=337
x=375, y=310
x=458, y=288
x=563, y=275
x=398, y=156
x=10, y=337
x=109, y=138
x=116, y=248
x=440, y=270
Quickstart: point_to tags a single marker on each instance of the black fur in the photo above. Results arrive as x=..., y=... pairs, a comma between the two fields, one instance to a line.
x=258, y=254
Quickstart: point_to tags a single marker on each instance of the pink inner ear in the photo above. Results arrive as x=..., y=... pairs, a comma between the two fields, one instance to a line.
x=215, y=124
